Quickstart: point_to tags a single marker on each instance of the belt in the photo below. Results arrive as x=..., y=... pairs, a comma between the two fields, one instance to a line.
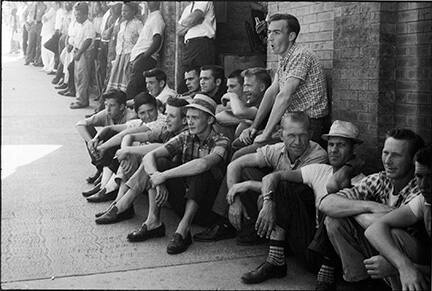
x=197, y=38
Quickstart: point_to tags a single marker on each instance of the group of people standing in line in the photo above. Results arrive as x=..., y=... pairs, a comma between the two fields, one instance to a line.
x=249, y=156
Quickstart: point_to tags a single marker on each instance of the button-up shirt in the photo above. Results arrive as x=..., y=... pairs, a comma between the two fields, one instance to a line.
x=82, y=32
x=379, y=188
x=190, y=147
x=128, y=35
x=311, y=94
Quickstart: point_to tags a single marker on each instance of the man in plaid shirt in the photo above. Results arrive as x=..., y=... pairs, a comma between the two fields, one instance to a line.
x=299, y=84
x=350, y=211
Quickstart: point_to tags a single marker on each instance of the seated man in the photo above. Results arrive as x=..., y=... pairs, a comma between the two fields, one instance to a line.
x=212, y=82
x=405, y=259
x=202, y=154
x=292, y=215
x=350, y=211
x=191, y=77
x=107, y=141
x=243, y=108
x=157, y=86
x=244, y=176
x=115, y=112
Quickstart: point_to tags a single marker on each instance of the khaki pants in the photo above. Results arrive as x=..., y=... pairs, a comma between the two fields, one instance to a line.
x=82, y=78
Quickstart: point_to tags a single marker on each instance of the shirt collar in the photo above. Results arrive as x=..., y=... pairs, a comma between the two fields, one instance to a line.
x=300, y=158
x=289, y=52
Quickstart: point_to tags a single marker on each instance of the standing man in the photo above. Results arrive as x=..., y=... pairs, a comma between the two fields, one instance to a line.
x=145, y=53
x=198, y=26
x=350, y=211
x=34, y=19
x=82, y=40
x=299, y=83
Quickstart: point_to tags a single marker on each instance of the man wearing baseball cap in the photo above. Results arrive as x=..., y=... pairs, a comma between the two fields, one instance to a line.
x=290, y=217
x=351, y=211
x=186, y=171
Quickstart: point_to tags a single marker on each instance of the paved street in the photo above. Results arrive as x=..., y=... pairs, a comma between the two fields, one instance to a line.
x=48, y=235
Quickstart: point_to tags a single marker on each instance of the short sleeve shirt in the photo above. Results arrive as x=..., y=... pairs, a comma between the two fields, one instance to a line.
x=189, y=147
x=311, y=94
x=102, y=119
x=378, y=188
x=83, y=31
x=153, y=25
x=128, y=35
x=165, y=94
x=276, y=156
x=207, y=27
x=422, y=211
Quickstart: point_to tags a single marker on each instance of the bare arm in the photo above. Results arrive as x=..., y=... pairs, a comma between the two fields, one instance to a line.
x=271, y=181
x=267, y=103
x=116, y=140
x=240, y=110
x=226, y=118
x=380, y=237
x=81, y=127
x=234, y=168
x=157, y=40
x=281, y=103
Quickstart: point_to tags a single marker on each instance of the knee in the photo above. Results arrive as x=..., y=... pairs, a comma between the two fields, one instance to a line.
x=333, y=225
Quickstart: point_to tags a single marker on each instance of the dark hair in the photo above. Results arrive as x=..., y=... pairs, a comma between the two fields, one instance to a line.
x=197, y=69
x=238, y=75
x=416, y=142
x=82, y=6
x=291, y=21
x=260, y=73
x=158, y=73
x=179, y=103
x=424, y=156
x=297, y=116
x=154, y=4
x=144, y=98
x=133, y=6
x=217, y=71
x=117, y=95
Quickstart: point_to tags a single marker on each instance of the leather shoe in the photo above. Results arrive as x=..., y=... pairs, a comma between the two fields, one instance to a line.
x=51, y=73
x=99, y=214
x=143, y=233
x=264, y=272
x=70, y=94
x=217, y=231
x=93, y=178
x=61, y=86
x=63, y=91
x=112, y=215
x=76, y=105
x=178, y=244
x=56, y=80
x=102, y=196
x=92, y=191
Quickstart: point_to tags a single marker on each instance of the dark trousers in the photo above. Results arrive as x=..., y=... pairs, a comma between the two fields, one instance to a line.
x=201, y=188
x=136, y=80
x=34, y=43
x=71, y=80
x=102, y=59
x=197, y=52
x=296, y=214
x=320, y=126
x=107, y=160
x=24, y=39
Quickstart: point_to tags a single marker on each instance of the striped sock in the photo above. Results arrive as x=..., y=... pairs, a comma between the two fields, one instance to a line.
x=276, y=254
x=326, y=274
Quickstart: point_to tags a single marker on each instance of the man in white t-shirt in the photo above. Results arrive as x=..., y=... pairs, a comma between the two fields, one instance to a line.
x=157, y=86
x=403, y=259
x=145, y=53
x=198, y=26
x=287, y=215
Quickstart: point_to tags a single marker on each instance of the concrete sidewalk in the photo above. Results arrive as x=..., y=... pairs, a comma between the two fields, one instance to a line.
x=49, y=239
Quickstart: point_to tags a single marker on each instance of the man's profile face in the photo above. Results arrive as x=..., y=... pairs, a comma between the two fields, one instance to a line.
x=252, y=89
x=295, y=136
x=192, y=81
x=197, y=120
x=234, y=86
x=207, y=81
x=113, y=108
x=154, y=86
x=423, y=176
x=340, y=151
x=278, y=36
x=147, y=113
x=396, y=158
x=174, y=120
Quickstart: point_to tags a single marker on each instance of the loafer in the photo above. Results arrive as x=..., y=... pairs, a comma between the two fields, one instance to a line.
x=56, y=80
x=51, y=73
x=93, y=178
x=216, y=232
x=92, y=191
x=99, y=214
x=264, y=272
x=102, y=196
x=112, y=215
x=61, y=86
x=70, y=94
x=178, y=244
x=76, y=105
x=63, y=91
x=143, y=233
